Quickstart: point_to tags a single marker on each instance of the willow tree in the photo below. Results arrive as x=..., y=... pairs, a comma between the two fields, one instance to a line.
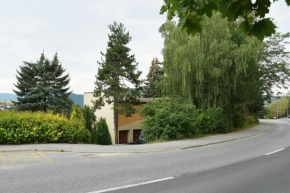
x=207, y=68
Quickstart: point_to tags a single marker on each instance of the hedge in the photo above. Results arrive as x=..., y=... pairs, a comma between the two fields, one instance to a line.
x=28, y=127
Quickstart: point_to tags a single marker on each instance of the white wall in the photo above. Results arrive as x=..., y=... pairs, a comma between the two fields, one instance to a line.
x=106, y=112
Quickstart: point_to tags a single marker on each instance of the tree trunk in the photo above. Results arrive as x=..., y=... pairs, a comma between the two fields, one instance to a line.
x=116, y=121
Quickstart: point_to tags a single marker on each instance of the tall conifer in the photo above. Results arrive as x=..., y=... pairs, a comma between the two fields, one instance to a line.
x=117, y=69
x=153, y=78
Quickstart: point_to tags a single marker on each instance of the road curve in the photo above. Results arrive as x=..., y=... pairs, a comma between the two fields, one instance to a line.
x=208, y=166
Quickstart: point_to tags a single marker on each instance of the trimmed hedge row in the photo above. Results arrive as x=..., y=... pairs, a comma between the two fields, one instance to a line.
x=28, y=127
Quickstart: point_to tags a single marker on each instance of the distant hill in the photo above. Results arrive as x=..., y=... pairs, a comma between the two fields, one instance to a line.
x=7, y=97
x=78, y=99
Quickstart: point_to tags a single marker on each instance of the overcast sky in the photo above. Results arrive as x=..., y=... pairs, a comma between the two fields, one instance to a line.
x=77, y=30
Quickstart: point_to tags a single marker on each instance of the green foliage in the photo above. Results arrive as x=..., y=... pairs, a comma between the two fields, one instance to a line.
x=238, y=119
x=275, y=64
x=191, y=13
x=89, y=117
x=251, y=120
x=168, y=119
x=74, y=131
x=278, y=108
x=117, y=66
x=206, y=69
x=269, y=117
x=223, y=68
x=153, y=80
x=41, y=86
x=213, y=121
x=103, y=136
x=27, y=127
x=90, y=120
x=77, y=113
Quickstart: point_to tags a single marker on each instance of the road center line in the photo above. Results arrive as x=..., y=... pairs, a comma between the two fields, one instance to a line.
x=132, y=185
x=275, y=151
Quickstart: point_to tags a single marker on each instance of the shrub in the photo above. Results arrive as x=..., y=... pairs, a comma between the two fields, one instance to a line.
x=89, y=117
x=168, y=119
x=103, y=136
x=77, y=113
x=213, y=120
x=27, y=127
x=251, y=120
x=269, y=117
x=238, y=120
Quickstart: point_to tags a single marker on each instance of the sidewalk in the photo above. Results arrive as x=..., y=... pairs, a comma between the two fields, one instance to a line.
x=263, y=127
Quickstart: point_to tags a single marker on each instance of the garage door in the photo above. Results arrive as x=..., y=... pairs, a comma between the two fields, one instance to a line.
x=123, y=136
x=136, y=133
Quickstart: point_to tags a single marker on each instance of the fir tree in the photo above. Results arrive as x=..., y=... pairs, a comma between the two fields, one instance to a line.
x=41, y=86
x=116, y=69
x=153, y=79
x=103, y=136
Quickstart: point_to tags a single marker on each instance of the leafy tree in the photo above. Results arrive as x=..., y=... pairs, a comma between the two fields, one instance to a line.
x=117, y=69
x=42, y=86
x=278, y=108
x=190, y=14
x=102, y=132
x=77, y=113
x=217, y=68
x=153, y=79
x=203, y=68
x=89, y=117
x=275, y=63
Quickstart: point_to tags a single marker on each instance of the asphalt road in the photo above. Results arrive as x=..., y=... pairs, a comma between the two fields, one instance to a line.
x=237, y=166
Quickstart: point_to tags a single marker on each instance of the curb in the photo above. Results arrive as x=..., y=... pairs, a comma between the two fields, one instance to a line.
x=229, y=140
x=146, y=151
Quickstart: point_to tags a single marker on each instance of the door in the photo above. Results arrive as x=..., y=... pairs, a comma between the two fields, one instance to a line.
x=136, y=133
x=123, y=136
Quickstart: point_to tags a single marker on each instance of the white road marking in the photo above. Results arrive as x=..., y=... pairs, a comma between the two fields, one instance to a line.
x=275, y=151
x=132, y=185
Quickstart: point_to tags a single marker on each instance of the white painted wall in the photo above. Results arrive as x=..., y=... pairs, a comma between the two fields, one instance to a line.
x=106, y=112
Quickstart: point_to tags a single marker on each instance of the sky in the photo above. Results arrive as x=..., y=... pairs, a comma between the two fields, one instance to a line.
x=78, y=31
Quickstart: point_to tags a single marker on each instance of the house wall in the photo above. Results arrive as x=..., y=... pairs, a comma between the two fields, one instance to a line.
x=124, y=123
x=106, y=112
x=130, y=123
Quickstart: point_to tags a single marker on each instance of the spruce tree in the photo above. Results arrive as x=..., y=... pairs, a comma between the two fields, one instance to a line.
x=103, y=136
x=117, y=69
x=153, y=79
x=41, y=86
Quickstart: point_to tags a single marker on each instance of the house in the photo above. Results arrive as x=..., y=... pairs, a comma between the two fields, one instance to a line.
x=129, y=128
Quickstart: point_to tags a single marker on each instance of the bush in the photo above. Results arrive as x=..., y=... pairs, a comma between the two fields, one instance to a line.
x=89, y=117
x=103, y=136
x=238, y=120
x=27, y=127
x=168, y=119
x=269, y=117
x=213, y=120
x=251, y=120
